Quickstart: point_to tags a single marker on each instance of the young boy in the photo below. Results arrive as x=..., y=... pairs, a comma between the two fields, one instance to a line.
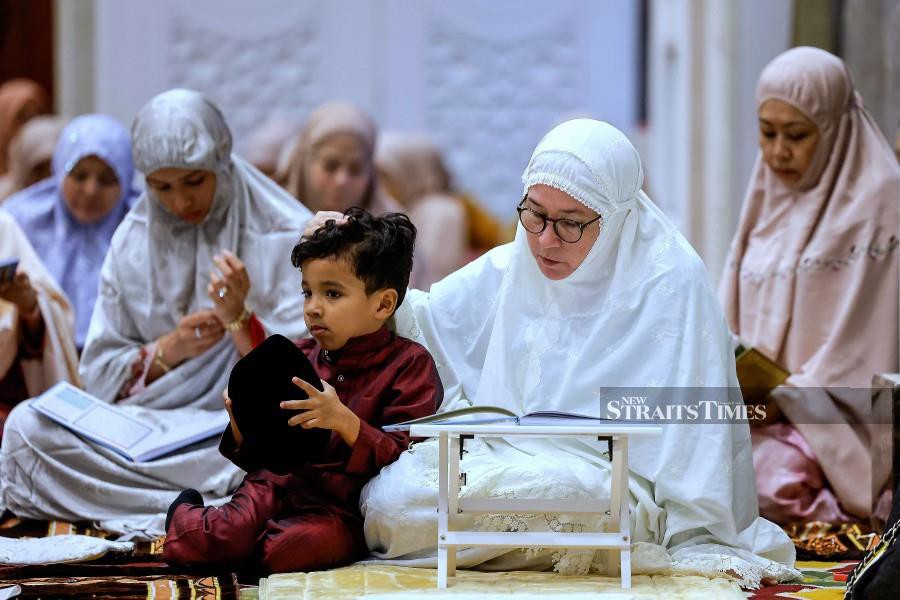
x=355, y=275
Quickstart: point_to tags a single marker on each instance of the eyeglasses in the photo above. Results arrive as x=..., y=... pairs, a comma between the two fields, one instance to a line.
x=566, y=229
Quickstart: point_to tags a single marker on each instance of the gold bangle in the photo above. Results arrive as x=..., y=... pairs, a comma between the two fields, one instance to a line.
x=160, y=360
x=239, y=323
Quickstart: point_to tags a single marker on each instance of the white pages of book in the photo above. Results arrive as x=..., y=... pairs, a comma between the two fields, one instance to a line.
x=123, y=430
x=491, y=415
x=559, y=419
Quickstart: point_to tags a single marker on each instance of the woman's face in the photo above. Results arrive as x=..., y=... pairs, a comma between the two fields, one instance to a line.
x=788, y=140
x=91, y=190
x=555, y=258
x=186, y=193
x=338, y=173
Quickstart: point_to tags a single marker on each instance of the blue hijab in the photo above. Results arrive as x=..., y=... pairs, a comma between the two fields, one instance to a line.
x=72, y=251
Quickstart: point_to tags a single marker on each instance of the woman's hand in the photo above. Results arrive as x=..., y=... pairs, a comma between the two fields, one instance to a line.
x=320, y=218
x=229, y=290
x=196, y=333
x=235, y=432
x=323, y=410
x=19, y=292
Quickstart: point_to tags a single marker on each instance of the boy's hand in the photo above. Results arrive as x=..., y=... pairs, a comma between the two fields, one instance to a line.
x=323, y=410
x=235, y=432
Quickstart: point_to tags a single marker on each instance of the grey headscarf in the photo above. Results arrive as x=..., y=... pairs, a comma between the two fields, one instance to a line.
x=159, y=266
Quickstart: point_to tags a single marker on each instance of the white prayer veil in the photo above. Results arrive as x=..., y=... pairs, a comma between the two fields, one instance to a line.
x=639, y=312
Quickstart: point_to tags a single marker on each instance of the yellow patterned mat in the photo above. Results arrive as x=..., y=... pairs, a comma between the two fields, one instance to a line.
x=376, y=582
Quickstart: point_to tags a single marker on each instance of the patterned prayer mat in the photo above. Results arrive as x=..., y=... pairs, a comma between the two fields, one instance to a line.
x=821, y=581
x=223, y=587
x=831, y=542
x=15, y=527
x=141, y=574
x=379, y=581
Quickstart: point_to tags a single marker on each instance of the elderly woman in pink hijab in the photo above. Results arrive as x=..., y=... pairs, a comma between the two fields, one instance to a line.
x=331, y=164
x=811, y=282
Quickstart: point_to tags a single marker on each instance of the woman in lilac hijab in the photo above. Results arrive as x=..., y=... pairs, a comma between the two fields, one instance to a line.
x=70, y=217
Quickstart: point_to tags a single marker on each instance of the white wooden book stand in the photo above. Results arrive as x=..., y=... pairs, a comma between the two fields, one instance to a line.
x=617, y=538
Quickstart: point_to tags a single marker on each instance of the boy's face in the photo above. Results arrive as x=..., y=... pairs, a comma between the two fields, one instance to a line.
x=337, y=307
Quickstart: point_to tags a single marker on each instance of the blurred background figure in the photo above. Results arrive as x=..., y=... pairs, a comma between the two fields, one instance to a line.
x=70, y=218
x=897, y=143
x=331, y=165
x=266, y=144
x=20, y=101
x=31, y=154
x=36, y=335
x=453, y=228
x=820, y=221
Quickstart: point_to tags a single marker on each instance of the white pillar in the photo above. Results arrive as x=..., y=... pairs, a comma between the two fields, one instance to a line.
x=714, y=212
x=705, y=58
x=74, y=56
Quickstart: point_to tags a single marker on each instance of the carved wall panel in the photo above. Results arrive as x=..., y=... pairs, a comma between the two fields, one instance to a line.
x=250, y=79
x=488, y=101
x=485, y=79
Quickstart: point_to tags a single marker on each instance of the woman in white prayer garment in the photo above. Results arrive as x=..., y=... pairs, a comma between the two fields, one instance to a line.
x=202, y=257
x=597, y=291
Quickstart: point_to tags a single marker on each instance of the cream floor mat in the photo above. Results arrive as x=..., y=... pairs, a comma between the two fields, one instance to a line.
x=377, y=582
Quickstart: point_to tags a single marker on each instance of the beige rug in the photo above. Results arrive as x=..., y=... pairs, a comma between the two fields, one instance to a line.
x=374, y=582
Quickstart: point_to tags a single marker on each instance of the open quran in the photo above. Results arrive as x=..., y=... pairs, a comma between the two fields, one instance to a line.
x=137, y=433
x=480, y=415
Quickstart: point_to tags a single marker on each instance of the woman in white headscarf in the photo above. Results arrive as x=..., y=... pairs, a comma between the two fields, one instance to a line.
x=202, y=258
x=611, y=296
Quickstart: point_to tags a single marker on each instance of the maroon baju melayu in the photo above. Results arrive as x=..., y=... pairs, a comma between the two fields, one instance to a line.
x=310, y=518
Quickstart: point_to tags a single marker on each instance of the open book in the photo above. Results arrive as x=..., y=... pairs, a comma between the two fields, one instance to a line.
x=481, y=415
x=122, y=430
x=757, y=374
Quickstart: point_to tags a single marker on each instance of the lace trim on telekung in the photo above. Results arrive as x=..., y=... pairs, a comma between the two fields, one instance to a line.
x=563, y=185
x=834, y=263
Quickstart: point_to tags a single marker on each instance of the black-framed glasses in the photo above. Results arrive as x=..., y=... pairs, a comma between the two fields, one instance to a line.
x=567, y=230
